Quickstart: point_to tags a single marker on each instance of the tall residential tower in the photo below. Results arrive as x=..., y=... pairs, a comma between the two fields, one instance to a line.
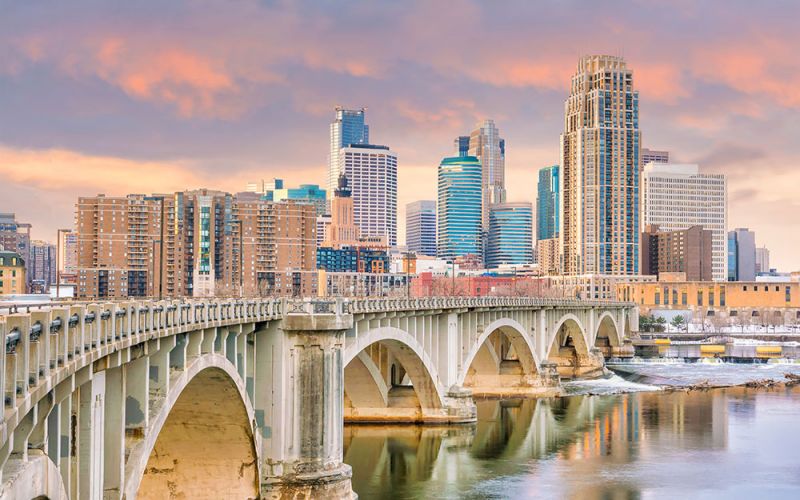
x=600, y=148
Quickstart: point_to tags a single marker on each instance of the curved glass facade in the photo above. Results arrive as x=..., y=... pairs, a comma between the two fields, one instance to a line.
x=510, y=234
x=459, y=207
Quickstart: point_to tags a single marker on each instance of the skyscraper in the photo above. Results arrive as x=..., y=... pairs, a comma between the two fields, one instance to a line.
x=741, y=255
x=42, y=266
x=676, y=197
x=486, y=145
x=347, y=128
x=461, y=145
x=600, y=148
x=762, y=260
x=372, y=174
x=459, y=207
x=306, y=193
x=547, y=208
x=653, y=156
x=510, y=234
x=421, y=227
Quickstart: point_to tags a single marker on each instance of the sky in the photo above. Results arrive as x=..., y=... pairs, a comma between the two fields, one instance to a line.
x=149, y=96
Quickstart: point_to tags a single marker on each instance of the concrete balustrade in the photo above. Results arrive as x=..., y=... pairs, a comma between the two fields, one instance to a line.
x=137, y=398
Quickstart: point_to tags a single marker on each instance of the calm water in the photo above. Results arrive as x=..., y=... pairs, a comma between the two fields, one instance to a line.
x=724, y=443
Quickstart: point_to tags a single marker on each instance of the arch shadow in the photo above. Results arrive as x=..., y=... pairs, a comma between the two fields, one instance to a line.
x=202, y=441
x=522, y=343
x=365, y=383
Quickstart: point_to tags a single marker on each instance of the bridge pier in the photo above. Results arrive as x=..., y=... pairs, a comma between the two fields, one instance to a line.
x=304, y=459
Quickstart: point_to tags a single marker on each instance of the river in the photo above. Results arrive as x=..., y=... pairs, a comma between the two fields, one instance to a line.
x=603, y=442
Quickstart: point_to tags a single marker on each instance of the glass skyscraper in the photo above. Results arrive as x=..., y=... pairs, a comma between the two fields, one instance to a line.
x=421, y=227
x=600, y=147
x=510, y=234
x=486, y=145
x=547, y=203
x=459, y=207
x=461, y=145
x=310, y=193
x=347, y=128
x=741, y=255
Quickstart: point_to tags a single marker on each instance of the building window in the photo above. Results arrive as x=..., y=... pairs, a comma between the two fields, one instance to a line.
x=658, y=298
x=711, y=298
x=675, y=297
x=699, y=297
x=722, y=297
x=684, y=300
x=788, y=294
x=734, y=313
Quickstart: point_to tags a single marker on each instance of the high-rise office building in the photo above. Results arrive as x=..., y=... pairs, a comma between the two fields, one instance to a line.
x=461, y=145
x=486, y=145
x=653, y=156
x=306, y=193
x=688, y=251
x=547, y=209
x=347, y=128
x=510, y=235
x=741, y=255
x=421, y=227
x=600, y=146
x=372, y=174
x=459, y=208
x=676, y=197
x=762, y=260
x=42, y=266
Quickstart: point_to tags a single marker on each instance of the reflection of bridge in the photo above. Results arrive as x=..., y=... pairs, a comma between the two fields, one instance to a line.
x=111, y=400
x=508, y=435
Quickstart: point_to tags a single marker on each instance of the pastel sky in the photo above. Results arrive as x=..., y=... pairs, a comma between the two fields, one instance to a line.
x=101, y=96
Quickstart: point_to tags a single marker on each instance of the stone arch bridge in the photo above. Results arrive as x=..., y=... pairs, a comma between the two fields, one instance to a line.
x=247, y=398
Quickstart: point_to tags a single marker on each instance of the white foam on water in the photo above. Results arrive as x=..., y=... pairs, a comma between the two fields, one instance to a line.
x=611, y=385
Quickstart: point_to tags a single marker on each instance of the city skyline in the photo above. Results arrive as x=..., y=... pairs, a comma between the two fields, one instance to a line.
x=202, y=116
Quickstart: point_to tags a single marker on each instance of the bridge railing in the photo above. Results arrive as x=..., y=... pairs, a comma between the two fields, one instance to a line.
x=357, y=306
x=48, y=343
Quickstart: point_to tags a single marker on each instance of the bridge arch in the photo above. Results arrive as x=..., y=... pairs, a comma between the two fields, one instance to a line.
x=201, y=440
x=607, y=327
x=570, y=326
x=486, y=369
x=570, y=348
x=369, y=382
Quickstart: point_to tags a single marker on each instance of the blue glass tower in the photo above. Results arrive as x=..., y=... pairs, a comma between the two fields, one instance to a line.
x=347, y=128
x=310, y=193
x=510, y=234
x=459, y=207
x=547, y=203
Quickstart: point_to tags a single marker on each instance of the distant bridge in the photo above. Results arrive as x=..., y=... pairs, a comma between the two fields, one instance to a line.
x=246, y=398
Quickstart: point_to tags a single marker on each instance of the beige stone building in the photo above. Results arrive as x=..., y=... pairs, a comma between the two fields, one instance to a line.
x=12, y=273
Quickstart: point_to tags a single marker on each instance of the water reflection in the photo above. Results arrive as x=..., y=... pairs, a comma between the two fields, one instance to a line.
x=600, y=447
